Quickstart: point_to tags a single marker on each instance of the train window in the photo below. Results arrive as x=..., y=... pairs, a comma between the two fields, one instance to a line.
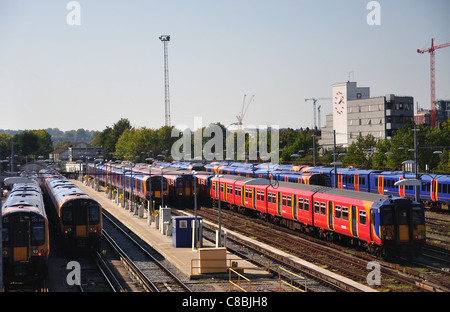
x=94, y=213
x=5, y=233
x=258, y=195
x=229, y=189
x=444, y=188
x=345, y=213
x=214, y=186
x=362, y=217
x=306, y=205
x=289, y=201
x=440, y=188
x=300, y=203
x=387, y=217
x=284, y=200
x=221, y=188
x=428, y=187
x=417, y=215
x=323, y=208
x=37, y=233
x=66, y=212
x=376, y=181
x=337, y=212
x=316, y=207
x=424, y=186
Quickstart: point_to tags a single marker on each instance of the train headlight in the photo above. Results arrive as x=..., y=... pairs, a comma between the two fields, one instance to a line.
x=5, y=253
x=35, y=251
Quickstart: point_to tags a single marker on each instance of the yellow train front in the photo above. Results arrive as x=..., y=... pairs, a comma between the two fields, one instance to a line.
x=25, y=235
x=77, y=215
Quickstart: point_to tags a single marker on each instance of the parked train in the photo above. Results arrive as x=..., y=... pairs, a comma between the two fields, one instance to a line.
x=25, y=232
x=177, y=185
x=78, y=217
x=434, y=191
x=384, y=225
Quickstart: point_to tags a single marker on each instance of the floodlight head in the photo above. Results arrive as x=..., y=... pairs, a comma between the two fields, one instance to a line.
x=164, y=38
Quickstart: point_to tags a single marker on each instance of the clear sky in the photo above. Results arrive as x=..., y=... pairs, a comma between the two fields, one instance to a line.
x=53, y=75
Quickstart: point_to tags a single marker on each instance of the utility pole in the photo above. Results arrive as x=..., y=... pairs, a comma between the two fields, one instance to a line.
x=334, y=160
x=416, y=162
x=165, y=39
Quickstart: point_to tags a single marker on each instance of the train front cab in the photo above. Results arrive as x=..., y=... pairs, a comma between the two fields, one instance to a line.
x=81, y=224
x=399, y=225
x=25, y=247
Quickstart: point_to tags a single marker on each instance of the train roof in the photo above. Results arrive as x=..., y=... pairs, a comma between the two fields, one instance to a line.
x=28, y=196
x=311, y=188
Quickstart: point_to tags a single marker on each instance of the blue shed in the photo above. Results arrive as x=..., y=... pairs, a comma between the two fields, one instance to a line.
x=182, y=230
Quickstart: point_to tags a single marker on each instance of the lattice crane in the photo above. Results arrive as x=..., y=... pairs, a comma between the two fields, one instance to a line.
x=245, y=107
x=431, y=50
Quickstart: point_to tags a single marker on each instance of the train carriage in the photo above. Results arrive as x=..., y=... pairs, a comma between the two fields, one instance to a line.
x=384, y=225
x=77, y=215
x=25, y=236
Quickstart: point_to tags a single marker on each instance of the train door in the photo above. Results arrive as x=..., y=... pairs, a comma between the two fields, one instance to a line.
x=80, y=217
x=380, y=184
x=20, y=238
x=434, y=188
x=354, y=215
x=279, y=203
x=330, y=216
x=340, y=180
x=294, y=208
x=253, y=198
x=401, y=221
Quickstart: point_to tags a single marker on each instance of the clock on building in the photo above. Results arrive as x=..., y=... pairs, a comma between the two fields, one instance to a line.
x=339, y=102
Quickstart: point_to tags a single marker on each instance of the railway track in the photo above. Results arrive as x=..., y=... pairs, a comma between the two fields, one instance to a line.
x=347, y=262
x=143, y=264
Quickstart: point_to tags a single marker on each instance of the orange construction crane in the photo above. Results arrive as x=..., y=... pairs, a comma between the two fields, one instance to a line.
x=432, y=76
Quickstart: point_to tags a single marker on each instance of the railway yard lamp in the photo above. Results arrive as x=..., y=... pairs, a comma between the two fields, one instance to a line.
x=196, y=238
x=162, y=189
x=150, y=203
x=219, y=240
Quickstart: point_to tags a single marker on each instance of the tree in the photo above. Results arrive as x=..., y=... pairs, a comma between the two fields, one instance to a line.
x=33, y=142
x=361, y=151
x=109, y=137
x=5, y=145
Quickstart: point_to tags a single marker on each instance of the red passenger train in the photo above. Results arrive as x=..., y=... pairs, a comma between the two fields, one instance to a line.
x=383, y=225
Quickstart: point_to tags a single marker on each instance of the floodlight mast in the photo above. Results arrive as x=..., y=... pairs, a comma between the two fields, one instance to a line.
x=165, y=39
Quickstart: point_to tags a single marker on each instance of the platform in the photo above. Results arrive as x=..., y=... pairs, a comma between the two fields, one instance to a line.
x=182, y=257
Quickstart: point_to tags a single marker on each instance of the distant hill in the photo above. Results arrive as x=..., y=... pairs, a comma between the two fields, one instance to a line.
x=80, y=135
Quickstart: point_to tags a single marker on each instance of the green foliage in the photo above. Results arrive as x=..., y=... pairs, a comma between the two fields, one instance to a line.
x=33, y=142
